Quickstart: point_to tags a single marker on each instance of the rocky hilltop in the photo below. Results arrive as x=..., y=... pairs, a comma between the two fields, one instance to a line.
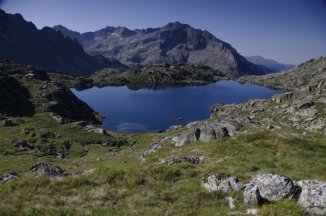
x=173, y=43
x=309, y=72
x=22, y=42
x=25, y=91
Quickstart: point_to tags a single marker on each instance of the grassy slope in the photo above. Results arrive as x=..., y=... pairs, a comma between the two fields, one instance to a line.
x=121, y=185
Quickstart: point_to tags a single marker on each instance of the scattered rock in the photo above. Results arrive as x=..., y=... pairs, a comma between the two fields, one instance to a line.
x=191, y=159
x=95, y=129
x=313, y=195
x=8, y=177
x=20, y=144
x=251, y=195
x=47, y=134
x=213, y=182
x=46, y=169
x=169, y=161
x=230, y=201
x=10, y=122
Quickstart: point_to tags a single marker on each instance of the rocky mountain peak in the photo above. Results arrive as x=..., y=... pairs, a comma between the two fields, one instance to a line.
x=173, y=43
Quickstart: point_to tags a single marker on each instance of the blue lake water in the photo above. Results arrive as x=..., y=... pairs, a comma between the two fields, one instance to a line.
x=143, y=110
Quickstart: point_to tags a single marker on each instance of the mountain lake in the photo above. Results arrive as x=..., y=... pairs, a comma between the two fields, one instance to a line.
x=146, y=110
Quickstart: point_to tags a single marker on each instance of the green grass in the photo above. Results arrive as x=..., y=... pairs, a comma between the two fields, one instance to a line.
x=122, y=185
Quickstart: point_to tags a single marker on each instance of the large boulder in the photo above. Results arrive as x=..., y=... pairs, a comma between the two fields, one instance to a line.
x=313, y=196
x=251, y=195
x=268, y=187
x=206, y=131
x=45, y=169
x=274, y=187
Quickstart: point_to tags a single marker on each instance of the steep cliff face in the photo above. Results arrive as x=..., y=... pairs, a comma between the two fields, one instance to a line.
x=22, y=42
x=173, y=43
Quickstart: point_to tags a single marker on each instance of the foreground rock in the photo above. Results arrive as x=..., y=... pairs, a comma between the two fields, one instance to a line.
x=213, y=182
x=311, y=194
x=8, y=177
x=45, y=169
x=268, y=187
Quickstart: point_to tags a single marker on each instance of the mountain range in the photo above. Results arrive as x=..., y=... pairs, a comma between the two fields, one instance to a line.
x=269, y=64
x=22, y=42
x=173, y=43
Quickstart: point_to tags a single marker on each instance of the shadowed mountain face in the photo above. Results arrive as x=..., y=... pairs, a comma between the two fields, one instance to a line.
x=22, y=42
x=269, y=64
x=174, y=43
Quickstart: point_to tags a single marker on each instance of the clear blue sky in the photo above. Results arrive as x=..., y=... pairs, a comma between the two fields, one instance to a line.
x=289, y=31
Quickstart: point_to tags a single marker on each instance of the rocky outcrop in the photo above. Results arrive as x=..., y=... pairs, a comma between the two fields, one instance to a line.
x=46, y=169
x=311, y=194
x=173, y=160
x=309, y=72
x=22, y=97
x=206, y=131
x=268, y=187
x=8, y=177
x=20, y=144
x=173, y=43
x=213, y=182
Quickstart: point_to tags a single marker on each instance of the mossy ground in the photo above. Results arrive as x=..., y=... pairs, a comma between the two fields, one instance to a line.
x=122, y=185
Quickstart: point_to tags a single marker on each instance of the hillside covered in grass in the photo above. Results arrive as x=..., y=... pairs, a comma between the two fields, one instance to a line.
x=57, y=163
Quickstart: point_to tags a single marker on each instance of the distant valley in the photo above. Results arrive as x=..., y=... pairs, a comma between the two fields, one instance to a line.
x=269, y=65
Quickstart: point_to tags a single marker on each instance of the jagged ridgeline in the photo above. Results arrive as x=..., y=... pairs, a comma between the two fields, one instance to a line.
x=22, y=42
x=173, y=43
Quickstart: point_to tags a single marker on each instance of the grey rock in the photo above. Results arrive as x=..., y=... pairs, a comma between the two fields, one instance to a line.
x=191, y=159
x=47, y=134
x=235, y=184
x=170, y=161
x=20, y=144
x=224, y=186
x=251, y=195
x=313, y=195
x=274, y=187
x=8, y=177
x=46, y=169
x=211, y=182
x=10, y=122
x=95, y=129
